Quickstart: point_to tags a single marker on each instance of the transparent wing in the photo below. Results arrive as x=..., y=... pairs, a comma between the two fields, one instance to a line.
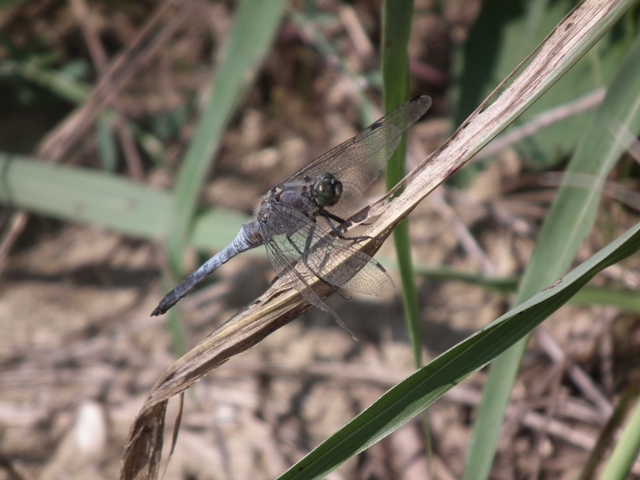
x=280, y=231
x=316, y=247
x=339, y=263
x=282, y=254
x=359, y=161
x=293, y=278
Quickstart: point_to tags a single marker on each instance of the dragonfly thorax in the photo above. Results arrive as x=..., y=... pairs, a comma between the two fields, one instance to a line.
x=327, y=190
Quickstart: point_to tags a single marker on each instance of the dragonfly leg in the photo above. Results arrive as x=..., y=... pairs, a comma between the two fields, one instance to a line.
x=330, y=216
x=304, y=258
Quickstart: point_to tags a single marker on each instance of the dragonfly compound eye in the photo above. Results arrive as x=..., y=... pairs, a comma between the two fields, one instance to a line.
x=328, y=190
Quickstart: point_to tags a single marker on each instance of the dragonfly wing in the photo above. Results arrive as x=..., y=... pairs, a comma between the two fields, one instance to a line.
x=283, y=254
x=285, y=247
x=320, y=252
x=281, y=231
x=359, y=161
x=372, y=279
x=339, y=263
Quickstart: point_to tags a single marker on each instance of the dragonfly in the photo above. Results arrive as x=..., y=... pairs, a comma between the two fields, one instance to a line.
x=299, y=220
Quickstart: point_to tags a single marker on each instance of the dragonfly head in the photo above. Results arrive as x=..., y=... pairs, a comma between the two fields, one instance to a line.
x=328, y=190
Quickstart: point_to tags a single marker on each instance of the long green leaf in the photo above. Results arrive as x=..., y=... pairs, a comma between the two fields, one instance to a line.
x=417, y=392
x=397, y=16
x=504, y=33
x=619, y=465
x=84, y=195
x=251, y=36
x=396, y=28
x=569, y=221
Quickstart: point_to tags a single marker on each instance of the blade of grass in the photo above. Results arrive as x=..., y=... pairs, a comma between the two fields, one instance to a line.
x=251, y=36
x=626, y=451
x=417, y=392
x=609, y=432
x=397, y=17
x=58, y=83
x=84, y=195
x=627, y=300
x=396, y=27
x=252, y=33
x=107, y=145
x=569, y=221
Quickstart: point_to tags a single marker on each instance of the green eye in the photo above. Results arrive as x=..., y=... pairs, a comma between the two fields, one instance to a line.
x=328, y=190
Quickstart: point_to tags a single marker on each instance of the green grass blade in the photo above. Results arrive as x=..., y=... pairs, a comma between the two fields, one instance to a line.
x=397, y=18
x=251, y=36
x=570, y=219
x=396, y=27
x=608, y=433
x=626, y=451
x=417, y=392
x=627, y=300
x=504, y=33
x=56, y=82
x=83, y=195
x=252, y=33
